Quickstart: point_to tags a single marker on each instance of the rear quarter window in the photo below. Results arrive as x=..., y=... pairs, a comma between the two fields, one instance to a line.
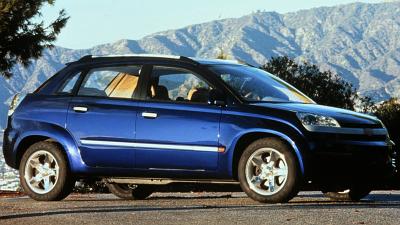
x=69, y=84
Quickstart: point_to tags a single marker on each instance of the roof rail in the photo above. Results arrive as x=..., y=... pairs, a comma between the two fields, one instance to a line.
x=139, y=55
x=189, y=60
x=183, y=58
x=85, y=58
x=82, y=59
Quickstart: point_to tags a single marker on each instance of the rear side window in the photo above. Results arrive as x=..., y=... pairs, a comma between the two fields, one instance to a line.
x=113, y=82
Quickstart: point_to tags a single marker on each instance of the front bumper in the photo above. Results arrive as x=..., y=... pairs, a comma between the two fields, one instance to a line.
x=341, y=162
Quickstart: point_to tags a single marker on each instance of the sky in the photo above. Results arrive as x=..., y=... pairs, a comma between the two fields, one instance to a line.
x=94, y=22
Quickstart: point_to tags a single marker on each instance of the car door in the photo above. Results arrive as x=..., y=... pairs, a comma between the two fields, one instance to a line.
x=176, y=128
x=102, y=114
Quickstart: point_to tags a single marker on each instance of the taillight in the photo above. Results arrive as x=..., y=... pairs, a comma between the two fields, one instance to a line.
x=17, y=99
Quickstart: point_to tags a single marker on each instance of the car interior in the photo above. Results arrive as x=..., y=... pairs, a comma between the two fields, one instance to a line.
x=168, y=84
x=117, y=82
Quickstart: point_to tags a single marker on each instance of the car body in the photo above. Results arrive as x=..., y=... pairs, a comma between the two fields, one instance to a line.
x=132, y=118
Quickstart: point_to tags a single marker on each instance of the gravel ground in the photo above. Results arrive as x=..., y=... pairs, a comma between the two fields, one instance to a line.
x=381, y=207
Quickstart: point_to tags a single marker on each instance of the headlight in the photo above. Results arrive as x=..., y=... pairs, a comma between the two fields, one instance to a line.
x=310, y=119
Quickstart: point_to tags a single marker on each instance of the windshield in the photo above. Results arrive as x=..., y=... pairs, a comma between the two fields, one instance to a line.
x=256, y=85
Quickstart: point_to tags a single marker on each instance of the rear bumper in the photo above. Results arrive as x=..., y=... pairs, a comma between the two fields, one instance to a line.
x=9, y=156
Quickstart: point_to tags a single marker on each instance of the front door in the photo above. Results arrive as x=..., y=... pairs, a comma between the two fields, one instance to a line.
x=176, y=128
x=102, y=115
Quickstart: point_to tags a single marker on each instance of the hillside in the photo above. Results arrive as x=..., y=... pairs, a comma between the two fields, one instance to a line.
x=359, y=41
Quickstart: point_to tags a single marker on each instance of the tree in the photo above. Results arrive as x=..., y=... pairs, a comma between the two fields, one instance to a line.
x=22, y=36
x=222, y=54
x=365, y=104
x=327, y=88
x=389, y=113
x=324, y=87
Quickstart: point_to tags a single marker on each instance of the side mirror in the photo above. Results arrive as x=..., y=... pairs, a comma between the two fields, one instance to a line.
x=217, y=98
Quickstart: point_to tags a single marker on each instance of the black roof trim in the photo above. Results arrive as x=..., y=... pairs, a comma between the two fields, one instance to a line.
x=88, y=58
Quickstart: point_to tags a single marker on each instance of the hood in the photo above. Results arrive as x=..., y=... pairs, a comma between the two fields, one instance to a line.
x=346, y=118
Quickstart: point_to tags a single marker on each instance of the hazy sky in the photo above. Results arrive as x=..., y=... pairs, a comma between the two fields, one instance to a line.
x=96, y=22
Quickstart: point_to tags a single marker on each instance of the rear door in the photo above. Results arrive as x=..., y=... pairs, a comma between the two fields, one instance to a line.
x=176, y=128
x=102, y=114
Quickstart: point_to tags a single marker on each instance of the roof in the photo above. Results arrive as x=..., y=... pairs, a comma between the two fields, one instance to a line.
x=192, y=60
x=214, y=61
x=137, y=55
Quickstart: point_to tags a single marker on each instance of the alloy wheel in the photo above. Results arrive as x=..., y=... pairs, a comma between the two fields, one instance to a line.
x=41, y=172
x=266, y=171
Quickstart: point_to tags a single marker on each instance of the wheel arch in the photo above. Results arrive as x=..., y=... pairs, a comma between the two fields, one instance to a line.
x=28, y=141
x=247, y=138
x=52, y=133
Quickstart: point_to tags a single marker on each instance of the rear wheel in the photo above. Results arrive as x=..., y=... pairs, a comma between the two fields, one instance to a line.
x=268, y=171
x=352, y=194
x=44, y=172
x=130, y=191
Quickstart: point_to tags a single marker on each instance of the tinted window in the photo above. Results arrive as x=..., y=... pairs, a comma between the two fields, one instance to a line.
x=174, y=84
x=253, y=84
x=113, y=82
x=69, y=84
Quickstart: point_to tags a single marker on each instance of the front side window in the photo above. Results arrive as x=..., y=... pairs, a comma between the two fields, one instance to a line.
x=175, y=84
x=113, y=82
x=255, y=85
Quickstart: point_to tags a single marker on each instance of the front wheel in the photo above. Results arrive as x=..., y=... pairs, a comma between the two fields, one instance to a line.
x=352, y=194
x=130, y=191
x=268, y=171
x=44, y=172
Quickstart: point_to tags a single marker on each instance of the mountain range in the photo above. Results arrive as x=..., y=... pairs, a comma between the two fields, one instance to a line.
x=359, y=41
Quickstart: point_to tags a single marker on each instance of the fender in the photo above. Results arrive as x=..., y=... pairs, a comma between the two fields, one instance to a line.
x=294, y=142
x=57, y=133
x=258, y=123
x=279, y=134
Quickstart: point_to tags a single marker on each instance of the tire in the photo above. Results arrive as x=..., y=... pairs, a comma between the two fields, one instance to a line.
x=39, y=166
x=126, y=191
x=269, y=159
x=353, y=194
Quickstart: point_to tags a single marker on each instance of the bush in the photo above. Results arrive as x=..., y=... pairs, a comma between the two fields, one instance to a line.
x=389, y=113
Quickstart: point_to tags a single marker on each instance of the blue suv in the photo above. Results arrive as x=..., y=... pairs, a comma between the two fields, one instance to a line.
x=139, y=121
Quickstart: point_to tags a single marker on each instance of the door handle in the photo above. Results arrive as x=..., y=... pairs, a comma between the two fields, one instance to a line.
x=149, y=115
x=80, y=109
